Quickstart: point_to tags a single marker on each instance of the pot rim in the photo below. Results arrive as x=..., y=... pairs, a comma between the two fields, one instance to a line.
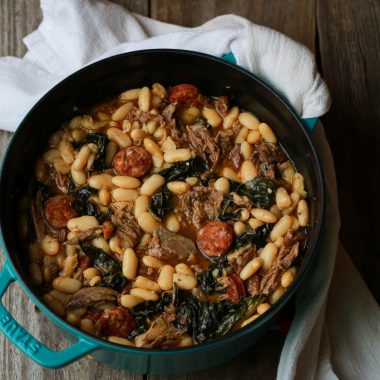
x=232, y=336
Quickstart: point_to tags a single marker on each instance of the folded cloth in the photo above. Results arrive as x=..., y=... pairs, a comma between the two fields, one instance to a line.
x=75, y=33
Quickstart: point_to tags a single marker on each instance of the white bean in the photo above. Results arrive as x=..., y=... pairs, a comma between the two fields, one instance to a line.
x=281, y=227
x=212, y=117
x=253, y=137
x=189, y=115
x=274, y=210
x=249, y=121
x=248, y=171
x=276, y=295
x=54, y=304
x=294, y=197
x=100, y=181
x=251, y=268
x=250, y=320
x=95, y=281
x=152, y=184
x=255, y=223
x=287, y=278
x=141, y=205
x=147, y=222
x=132, y=94
x=122, y=111
x=90, y=273
x=185, y=281
x=263, y=307
x=79, y=176
x=101, y=243
x=82, y=223
x=222, y=184
x=87, y=326
x=172, y=223
x=230, y=174
x=119, y=340
x=146, y=295
x=126, y=182
x=138, y=134
x=66, y=284
x=82, y=158
x=268, y=254
x=115, y=245
x=303, y=213
x=104, y=197
x=146, y=283
x=192, y=181
x=231, y=117
x=144, y=99
x=264, y=215
x=165, y=279
x=145, y=240
x=128, y=301
x=177, y=155
x=239, y=228
x=152, y=262
x=242, y=135
x=246, y=150
x=295, y=224
x=184, y=268
x=152, y=147
x=50, y=245
x=120, y=138
x=130, y=264
x=283, y=200
x=178, y=187
x=124, y=195
x=267, y=133
x=244, y=215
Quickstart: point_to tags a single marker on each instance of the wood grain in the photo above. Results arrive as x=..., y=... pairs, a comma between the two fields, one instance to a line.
x=349, y=38
x=295, y=18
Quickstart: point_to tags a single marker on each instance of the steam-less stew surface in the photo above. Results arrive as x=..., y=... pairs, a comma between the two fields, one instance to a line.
x=163, y=218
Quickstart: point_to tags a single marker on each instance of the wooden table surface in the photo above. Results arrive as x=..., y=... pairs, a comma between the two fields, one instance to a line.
x=345, y=37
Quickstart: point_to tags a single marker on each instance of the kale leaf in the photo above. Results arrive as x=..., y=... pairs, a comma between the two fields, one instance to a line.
x=261, y=191
x=100, y=140
x=208, y=280
x=110, y=268
x=257, y=237
x=181, y=170
x=228, y=209
x=161, y=202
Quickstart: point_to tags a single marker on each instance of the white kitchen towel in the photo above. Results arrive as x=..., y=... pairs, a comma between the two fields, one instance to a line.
x=75, y=33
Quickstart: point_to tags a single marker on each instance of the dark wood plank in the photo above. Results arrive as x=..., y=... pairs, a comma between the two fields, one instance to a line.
x=295, y=18
x=349, y=37
x=17, y=19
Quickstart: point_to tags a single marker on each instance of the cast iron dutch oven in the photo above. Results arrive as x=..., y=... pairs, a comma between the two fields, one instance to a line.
x=93, y=84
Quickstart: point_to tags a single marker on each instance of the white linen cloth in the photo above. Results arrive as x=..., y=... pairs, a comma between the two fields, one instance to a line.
x=330, y=337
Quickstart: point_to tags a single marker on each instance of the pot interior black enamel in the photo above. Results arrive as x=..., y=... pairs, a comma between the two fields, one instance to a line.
x=108, y=78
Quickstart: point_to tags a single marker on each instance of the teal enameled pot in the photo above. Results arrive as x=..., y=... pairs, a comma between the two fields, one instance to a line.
x=94, y=84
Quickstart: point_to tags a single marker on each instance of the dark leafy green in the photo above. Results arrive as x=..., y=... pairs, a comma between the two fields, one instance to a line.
x=202, y=121
x=229, y=210
x=161, y=202
x=208, y=280
x=83, y=206
x=110, y=268
x=257, y=237
x=181, y=170
x=261, y=191
x=206, y=321
x=146, y=310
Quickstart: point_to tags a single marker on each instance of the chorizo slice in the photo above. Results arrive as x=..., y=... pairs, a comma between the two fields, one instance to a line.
x=183, y=92
x=133, y=161
x=115, y=322
x=58, y=211
x=215, y=238
x=235, y=288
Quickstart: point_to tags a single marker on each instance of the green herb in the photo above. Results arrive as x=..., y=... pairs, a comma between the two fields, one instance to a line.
x=181, y=170
x=228, y=209
x=110, y=268
x=257, y=237
x=261, y=191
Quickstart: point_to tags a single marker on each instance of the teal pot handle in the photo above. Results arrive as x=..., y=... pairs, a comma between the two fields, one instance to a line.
x=25, y=342
x=310, y=123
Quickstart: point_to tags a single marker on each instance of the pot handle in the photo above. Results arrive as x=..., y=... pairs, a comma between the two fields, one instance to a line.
x=25, y=342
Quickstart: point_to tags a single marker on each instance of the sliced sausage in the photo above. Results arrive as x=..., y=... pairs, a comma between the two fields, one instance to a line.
x=115, y=322
x=183, y=92
x=58, y=211
x=215, y=238
x=133, y=161
x=235, y=288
